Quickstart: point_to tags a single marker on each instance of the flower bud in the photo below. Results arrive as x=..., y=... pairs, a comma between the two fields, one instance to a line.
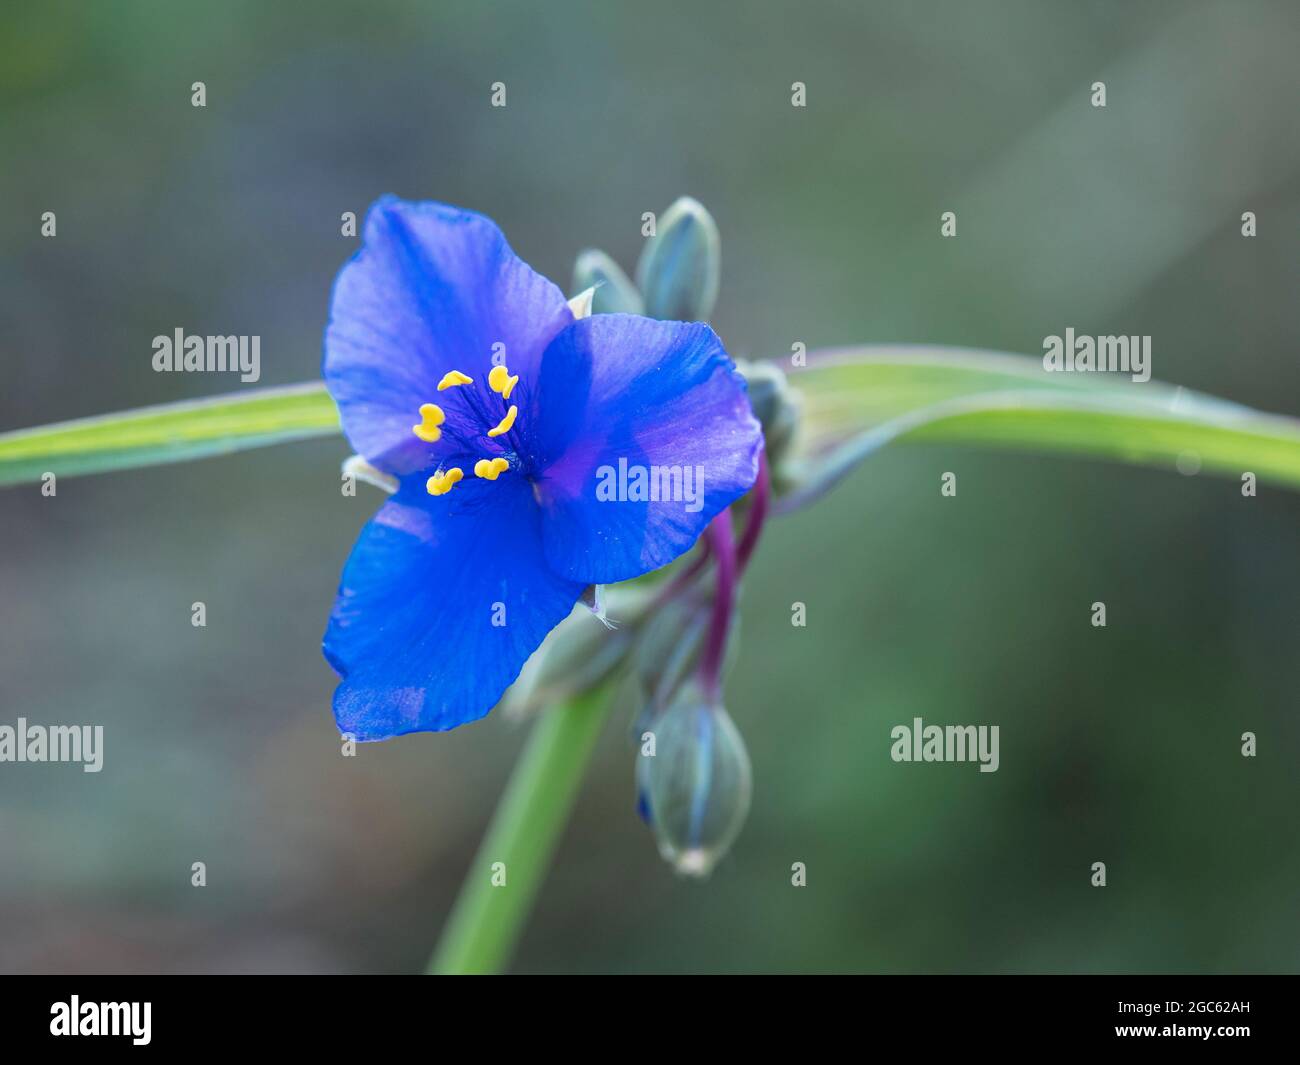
x=580, y=653
x=775, y=405
x=667, y=651
x=680, y=265
x=668, y=648
x=694, y=789
x=615, y=293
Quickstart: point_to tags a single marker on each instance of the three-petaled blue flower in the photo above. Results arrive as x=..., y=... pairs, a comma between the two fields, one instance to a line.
x=464, y=375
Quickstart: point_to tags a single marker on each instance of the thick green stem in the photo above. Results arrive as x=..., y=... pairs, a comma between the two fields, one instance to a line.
x=494, y=899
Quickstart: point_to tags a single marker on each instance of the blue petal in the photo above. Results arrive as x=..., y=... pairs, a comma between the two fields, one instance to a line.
x=432, y=289
x=412, y=632
x=659, y=395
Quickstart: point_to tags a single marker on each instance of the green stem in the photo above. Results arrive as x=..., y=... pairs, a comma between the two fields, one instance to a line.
x=487, y=919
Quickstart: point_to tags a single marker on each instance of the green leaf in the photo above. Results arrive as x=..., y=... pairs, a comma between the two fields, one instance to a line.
x=856, y=400
x=171, y=432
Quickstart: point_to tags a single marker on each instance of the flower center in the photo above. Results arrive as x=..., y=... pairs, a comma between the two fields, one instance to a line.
x=433, y=418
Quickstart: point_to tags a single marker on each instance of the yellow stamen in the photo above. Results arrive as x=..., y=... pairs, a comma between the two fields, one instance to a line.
x=490, y=469
x=506, y=422
x=441, y=483
x=499, y=380
x=428, y=430
x=452, y=378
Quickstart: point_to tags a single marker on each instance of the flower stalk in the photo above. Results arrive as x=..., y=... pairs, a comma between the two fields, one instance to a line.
x=723, y=546
x=487, y=919
x=757, y=513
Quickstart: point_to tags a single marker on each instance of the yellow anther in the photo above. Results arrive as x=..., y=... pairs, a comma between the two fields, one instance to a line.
x=499, y=380
x=506, y=422
x=490, y=469
x=452, y=378
x=441, y=483
x=428, y=430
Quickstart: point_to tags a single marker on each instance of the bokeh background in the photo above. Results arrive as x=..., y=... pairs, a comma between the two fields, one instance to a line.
x=1119, y=745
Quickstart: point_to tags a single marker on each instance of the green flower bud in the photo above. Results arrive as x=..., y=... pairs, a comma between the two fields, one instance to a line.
x=695, y=787
x=580, y=653
x=668, y=648
x=667, y=651
x=680, y=265
x=775, y=405
x=615, y=293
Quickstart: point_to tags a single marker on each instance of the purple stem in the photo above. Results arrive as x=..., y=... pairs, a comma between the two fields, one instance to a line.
x=757, y=513
x=724, y=551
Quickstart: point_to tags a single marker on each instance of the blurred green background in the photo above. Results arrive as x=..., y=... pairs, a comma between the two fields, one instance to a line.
x=1118, y=745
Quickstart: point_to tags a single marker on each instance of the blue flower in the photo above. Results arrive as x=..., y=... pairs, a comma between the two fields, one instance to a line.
x=463, y=375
